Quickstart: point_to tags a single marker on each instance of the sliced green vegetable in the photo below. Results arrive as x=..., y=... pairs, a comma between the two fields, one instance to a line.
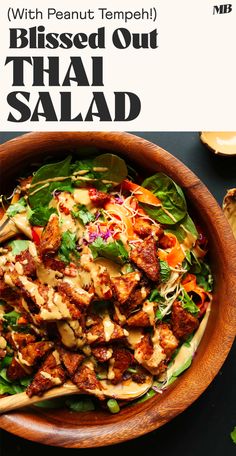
x=114, y=251
x=80, y=405
x=165, y=271
x=50, y=403
x=3, y=375
x=44, y=194
x=81, y=212
x=18, y=246
x=174, y=207
x=147, y=396
x=67, y=247
x=233, y=435
x=40, y=215
x=113, y=406
x=16, y=208
x=2, y=302
x=188, y=304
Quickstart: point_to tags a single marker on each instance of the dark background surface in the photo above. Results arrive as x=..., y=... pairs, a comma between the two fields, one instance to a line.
x=204, y=428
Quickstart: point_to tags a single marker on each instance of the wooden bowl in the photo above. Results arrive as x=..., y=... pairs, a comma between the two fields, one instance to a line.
x=93, y=429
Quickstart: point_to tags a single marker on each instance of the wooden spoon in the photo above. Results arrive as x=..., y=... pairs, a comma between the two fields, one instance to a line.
x=127, y=390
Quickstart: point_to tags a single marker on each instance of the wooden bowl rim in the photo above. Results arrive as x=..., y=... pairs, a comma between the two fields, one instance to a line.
x=153, y=413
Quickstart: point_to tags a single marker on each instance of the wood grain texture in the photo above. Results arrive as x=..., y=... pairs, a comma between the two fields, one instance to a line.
x=93, y=429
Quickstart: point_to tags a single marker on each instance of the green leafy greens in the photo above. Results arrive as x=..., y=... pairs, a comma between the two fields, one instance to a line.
x=16, y=208
x=81, y=212
x=188, y=304
x=171, y=196
x=43, y=195
x=40, y=215
x=68, y=247
x=18, y=246
x=165, y=271
x=114, y=251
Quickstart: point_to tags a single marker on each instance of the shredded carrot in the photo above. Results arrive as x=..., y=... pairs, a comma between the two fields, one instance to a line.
x=176, y=255
x=142, y=194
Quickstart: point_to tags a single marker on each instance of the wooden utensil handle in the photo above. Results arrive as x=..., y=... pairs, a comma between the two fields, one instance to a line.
x=22, y=400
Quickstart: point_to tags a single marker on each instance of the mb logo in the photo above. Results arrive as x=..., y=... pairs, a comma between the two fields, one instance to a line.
x=222, y=9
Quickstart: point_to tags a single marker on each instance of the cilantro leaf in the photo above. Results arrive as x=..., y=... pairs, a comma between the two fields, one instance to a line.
x=188, y=304
x=68, y=246
x=40, y=215
x=114, y=251
x=165, y=271
x=11, y=317
x=81, y=212
x=155, y=296
x=16, y=208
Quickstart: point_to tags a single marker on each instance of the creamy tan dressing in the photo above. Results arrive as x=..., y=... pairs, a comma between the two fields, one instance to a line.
x=22, y=360
x=8, y=280
x=134, y=337
x=148, y=307
x=112, y=268
x=3, y=343
x=222, y=142
x=22, y=223
x=47, y=276
x=67, y=334
x=53, y=380
x=121, y=317
x=108, y=327
x=61, y=305
x=32, y=289
x=111, y=373
x=19, y=268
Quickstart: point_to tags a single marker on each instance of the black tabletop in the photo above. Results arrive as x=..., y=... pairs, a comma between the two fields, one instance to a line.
x=204, y=428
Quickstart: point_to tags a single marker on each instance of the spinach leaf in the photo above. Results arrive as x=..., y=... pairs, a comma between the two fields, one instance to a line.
x=188, y=304
x=40, y=215
x=81, y=212
x=165, y=271
x=181, y=229
x=16, y=208
x=68, y=247
x=115, y=170
x=18, y=246
x=171, y=197
x=53, y=170
x=116, y=167
x=114, y=251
